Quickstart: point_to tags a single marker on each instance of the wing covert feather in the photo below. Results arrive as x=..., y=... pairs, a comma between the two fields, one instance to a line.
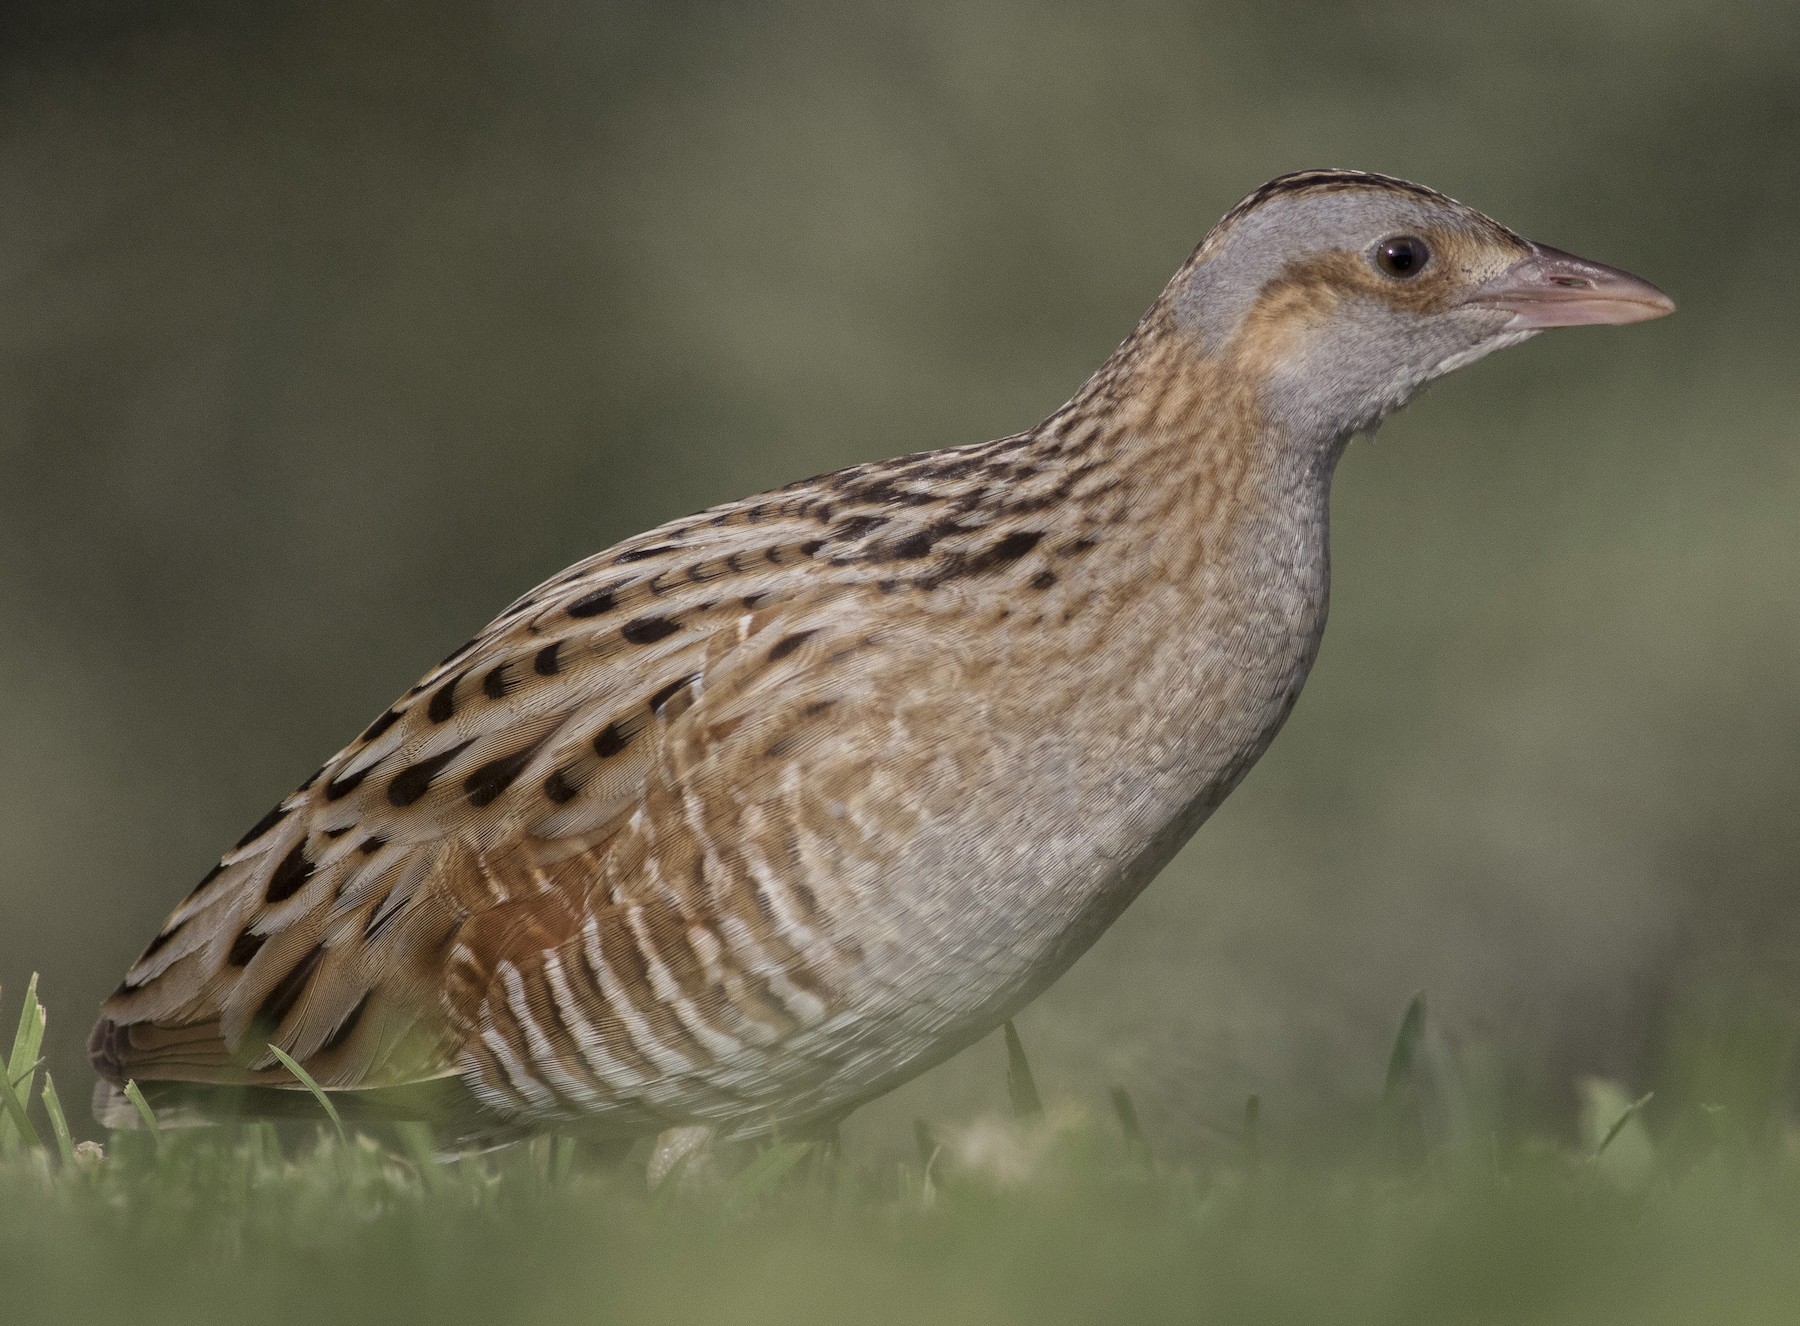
x=324, y=929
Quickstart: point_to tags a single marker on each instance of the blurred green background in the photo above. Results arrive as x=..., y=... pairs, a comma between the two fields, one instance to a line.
x=325, y=329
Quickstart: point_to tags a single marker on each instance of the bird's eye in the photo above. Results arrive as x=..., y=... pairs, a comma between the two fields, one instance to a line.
x=1403, y=256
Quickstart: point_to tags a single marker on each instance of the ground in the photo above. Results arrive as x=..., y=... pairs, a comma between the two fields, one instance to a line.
x=1031, y=1215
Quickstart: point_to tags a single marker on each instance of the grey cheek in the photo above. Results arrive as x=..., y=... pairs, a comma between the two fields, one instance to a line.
x=1209, y=306
x=1366, y=365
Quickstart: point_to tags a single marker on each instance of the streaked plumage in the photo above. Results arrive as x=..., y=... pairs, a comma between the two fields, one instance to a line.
x=759, y=813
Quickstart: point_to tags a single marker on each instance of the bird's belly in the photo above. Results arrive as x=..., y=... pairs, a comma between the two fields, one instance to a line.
x=995, y=899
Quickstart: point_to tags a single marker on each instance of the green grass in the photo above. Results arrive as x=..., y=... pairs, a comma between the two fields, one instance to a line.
x=1049, y=1216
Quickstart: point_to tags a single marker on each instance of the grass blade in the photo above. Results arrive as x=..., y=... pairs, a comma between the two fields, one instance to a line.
x=306, y=1080
x=1021, y=1086
x=1406, y=1047
x=1618, y=1125
x=764, y=1174
x=1253, y=1128
x=1126, y=1110
x=59, y=1126
x=30, y=1033
x=135, y=1095
x=926, y=1141
x=563, y=1161
x=21, y=1066
x=18, y=1122
x=420, y=1147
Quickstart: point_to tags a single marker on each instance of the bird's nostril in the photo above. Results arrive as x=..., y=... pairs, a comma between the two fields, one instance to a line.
x=1572, y=282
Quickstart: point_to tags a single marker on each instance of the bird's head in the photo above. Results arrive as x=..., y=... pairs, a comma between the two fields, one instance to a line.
x=1342, y=293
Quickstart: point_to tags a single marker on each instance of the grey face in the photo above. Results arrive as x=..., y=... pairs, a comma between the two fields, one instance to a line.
x=1344, y=294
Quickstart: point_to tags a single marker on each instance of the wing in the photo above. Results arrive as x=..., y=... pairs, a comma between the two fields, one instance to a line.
x=538, y=871
x=360, y=922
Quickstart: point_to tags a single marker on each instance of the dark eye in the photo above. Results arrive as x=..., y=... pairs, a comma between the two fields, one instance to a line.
x=1403, y=256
